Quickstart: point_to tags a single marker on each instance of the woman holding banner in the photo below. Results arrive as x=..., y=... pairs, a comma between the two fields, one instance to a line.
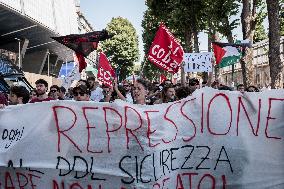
x=140, y=91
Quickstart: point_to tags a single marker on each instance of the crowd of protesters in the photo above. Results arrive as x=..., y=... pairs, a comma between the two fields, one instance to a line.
x=139, y=92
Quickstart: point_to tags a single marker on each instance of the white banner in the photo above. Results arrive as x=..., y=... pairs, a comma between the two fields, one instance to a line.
x=211, y=140
x=198, y=62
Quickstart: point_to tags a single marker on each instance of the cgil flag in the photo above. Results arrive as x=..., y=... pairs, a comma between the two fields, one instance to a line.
x=226, y=54
x=105, y=72
x=165, y=51
x=162, y=78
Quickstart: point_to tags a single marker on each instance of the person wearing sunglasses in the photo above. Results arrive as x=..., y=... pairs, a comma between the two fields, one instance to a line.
x=54, y=92
x=81, y=93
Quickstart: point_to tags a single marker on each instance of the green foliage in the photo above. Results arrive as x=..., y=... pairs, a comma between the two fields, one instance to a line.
x=281, y=17
x=219, y=15
x=260, y=33
x=122, y=49
x=183, y=18
x=150, y=26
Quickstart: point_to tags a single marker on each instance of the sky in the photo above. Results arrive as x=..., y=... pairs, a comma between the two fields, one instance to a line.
x=100, y=12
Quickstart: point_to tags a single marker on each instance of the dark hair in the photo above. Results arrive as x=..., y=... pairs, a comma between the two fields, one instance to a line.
x=91, y=78
x=121, y=90
x=105, y=86
x=21, y=91
x=193, y=82
x=182, y=92
x=84, y=81
x=62, y=89
x=144, y=83
x=254, y=87
x=165, y=90
x=240, y=85
x=178, y=85
x=215, y=83
x=224, y=87
x=204, y=82
x=82, y=88
x=155, y=83
x=42, y=81
x=56, y=87
x=167, y=80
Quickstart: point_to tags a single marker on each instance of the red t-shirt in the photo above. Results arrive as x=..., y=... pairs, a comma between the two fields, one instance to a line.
x=41, y=100
x=3, y=99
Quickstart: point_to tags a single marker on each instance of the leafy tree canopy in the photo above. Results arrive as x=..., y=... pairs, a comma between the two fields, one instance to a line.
x=122, y=49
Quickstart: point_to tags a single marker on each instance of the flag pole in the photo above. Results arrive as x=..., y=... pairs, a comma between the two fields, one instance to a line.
x=95, y=63
x=233, y=70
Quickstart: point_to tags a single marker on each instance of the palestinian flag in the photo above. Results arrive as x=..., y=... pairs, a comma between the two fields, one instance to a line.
x=226, y=54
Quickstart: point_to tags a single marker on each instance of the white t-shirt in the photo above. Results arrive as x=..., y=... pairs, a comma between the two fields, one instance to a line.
x=129, y=98
x=97, y=95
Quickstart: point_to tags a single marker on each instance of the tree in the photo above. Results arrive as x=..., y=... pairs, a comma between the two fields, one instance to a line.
x=186, y=18
x=219, y=16
x=273, y=9
x=122, y=49
x=250, y=11
x=282, y=17
x=183, y=18
x=260, y=33
x=150, y=26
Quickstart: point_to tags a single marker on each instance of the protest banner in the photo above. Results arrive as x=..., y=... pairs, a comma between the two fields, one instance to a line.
x=198, y=62
x=210, y=140
x=165, y=51
x=105, y=72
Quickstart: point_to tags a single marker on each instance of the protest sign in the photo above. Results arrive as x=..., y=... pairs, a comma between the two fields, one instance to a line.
x=198, y=62
x=165, y=51
x=105, y=72
x=72, y=76
x=211, y=140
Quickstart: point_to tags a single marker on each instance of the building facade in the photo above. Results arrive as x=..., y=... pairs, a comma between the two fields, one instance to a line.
x=58, y=16
x=261, y=71
x=26, y=30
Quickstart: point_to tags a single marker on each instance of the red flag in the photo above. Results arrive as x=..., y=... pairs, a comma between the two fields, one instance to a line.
x=219, y=52
x=81, y=61
x=162, y=78
x=165, y=51
x=83, y=43
x=105, y=72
